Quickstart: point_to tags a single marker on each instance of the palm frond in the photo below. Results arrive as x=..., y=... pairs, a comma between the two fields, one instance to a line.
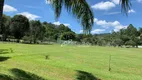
x=79, y=8
x=125, y=6
x=57, y=5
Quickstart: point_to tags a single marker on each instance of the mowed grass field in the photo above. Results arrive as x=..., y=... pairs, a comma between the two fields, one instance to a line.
x=69, y=62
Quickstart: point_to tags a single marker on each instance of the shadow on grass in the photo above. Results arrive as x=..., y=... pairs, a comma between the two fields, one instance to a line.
x=23, y=75
x=20, y=75
x=4, y=51
x=5, y=77
x=82, y=75
x=3, y=58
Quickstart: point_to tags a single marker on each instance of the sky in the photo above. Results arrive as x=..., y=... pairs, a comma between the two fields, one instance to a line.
x=108, y=15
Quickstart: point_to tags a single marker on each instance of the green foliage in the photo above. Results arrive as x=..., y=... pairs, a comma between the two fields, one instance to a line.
x=118, y=42
x=62, y=28
x=27, y=39
x=54, y=32
x=51, y=31
x=90, y=40
x=80, y=37
x=125, y=38
x=68, y=36
x=4, y=29
x=131, y=31
x=140, y=30
x=36, y=31
x=19, y=26
x=130, y=43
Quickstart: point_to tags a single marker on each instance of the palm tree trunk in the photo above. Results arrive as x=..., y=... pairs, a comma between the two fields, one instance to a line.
x=1, y=11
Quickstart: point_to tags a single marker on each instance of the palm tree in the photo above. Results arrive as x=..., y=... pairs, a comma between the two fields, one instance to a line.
x=79, y=8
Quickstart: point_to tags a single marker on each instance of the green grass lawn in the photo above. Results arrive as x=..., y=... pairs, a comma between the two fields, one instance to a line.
x=29, y=62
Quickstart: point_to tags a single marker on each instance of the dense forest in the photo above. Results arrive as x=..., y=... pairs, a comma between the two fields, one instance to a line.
x=20, y=29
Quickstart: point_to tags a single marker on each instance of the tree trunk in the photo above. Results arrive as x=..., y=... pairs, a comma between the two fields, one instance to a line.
x=1, y=11
x=4, y=37
x=18, y=40
x=35, y=41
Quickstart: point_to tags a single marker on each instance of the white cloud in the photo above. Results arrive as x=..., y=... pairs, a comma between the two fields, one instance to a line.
x=97, y=31
x=104, y=5
x=81, y=31
x=115, y=24
x=107, y=5
x=33, y=7
x=66, y=24
x=29, y=15
x=112, y=13
x=48, y=1
x=115, y=1
x=118, y=27
x=131, y=11
x=140, y=1
x=8, y=8
x=58, y=23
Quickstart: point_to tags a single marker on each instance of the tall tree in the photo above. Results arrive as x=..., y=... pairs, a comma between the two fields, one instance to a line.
x=1, y=10
x=36, y=31
x=5, y=27
x=131, y=31
x=51, y=31
x=19, y=26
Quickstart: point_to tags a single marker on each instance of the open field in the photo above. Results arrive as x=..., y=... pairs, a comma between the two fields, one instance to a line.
x=28, y=62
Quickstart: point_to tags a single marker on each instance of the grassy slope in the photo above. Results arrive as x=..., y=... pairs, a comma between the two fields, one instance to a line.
x=63, y=62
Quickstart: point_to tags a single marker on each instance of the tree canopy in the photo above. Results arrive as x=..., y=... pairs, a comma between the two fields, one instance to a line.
x=19, y=25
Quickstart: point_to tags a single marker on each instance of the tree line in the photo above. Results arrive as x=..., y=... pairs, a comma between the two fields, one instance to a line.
x=20, y=28
x=129, y=37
